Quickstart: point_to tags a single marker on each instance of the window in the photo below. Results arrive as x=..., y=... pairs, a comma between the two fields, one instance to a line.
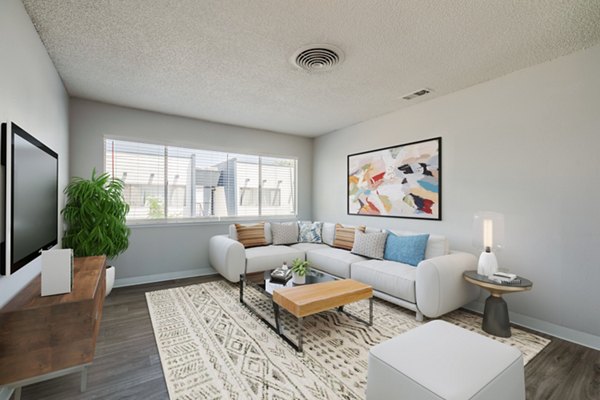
x=168, y=182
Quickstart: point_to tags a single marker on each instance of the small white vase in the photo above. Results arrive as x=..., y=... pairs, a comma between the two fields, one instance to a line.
x=297, y=279
x=110, y=279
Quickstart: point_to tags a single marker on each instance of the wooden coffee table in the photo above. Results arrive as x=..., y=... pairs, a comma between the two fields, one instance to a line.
x=302, y=301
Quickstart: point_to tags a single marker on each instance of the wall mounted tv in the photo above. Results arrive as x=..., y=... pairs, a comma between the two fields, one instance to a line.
x=31, y=198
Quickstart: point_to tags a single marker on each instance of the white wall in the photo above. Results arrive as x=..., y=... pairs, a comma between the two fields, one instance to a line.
x=31, y=95
x=526, y=145
x=174, y=249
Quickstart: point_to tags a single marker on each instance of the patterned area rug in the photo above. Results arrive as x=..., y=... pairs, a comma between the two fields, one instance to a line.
x=213, y=347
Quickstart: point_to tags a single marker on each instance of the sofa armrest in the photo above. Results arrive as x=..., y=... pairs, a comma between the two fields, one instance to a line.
x=440, y=286
x=227, y=257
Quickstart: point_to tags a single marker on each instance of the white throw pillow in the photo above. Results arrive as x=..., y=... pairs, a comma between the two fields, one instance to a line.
x=370, y=245
x=285, y=233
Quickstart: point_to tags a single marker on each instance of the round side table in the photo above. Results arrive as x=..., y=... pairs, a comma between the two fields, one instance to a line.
x=495, y=314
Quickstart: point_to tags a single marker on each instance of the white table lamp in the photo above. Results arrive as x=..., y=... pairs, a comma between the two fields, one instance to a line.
x=488, y=234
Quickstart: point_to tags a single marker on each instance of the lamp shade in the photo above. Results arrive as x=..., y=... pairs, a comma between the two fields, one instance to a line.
x=488, y=230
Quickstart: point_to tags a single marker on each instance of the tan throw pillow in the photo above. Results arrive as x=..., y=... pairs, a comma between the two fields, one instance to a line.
x=251, y=235
x=344, y=237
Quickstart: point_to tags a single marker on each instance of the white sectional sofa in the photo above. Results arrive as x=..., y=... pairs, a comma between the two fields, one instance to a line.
x=433, y=288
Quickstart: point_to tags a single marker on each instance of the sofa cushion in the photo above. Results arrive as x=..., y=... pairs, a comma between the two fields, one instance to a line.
x=333, y=261
x=268, y=237
x=251, y=235
x=344, y=236
x=306, y=247
x=369, y=244
x=406, y=249
x=390, y=277
x=309, y=232
x=328, y=233
x=285, y=233
x=270, y=257
x=437, y=245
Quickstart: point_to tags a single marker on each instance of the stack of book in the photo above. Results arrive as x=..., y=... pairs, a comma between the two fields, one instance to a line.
x=504, y=277
x=281, y=275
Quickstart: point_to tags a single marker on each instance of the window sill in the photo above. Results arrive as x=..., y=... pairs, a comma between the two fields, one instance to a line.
x=162, y=223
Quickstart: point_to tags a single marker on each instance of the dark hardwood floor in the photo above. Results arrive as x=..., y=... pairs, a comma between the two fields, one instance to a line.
x=127, y=365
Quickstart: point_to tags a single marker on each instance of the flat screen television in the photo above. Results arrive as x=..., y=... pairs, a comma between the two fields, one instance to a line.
x=31, y=197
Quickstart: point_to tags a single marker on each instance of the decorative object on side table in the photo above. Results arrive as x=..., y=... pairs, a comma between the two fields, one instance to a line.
x=299, y=270
x=401, y=181
x=495, y=314
x=95, y=215
x=488, y=234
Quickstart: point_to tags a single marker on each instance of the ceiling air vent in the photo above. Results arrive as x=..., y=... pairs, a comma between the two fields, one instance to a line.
x=317, y=57
x=418, y=93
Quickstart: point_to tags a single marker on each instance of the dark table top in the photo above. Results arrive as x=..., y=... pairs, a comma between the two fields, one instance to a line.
x=525, y=283
x=312, y=276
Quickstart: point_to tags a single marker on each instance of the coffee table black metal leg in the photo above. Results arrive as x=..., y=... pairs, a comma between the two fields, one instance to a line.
x=242, y=281
x=277, y=316
x=495, y=317
x=369, y=322
x=300, y=326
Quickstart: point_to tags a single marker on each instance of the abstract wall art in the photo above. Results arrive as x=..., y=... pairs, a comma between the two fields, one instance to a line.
x=400, y=181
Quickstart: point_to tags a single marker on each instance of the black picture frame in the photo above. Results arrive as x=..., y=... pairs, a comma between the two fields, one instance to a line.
x=421, y=198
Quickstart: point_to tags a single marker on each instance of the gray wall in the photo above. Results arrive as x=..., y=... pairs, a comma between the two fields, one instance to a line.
x=31, y=95
x=526, y=145
x=174, y=248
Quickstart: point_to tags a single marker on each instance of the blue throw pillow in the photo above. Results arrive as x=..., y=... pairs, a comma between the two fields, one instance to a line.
x=405, y=249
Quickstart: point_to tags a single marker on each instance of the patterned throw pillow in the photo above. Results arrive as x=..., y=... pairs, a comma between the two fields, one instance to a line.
x=406, y=249
x=285, y=233
x=344, y=237
x=310, y=232
x=369, y=244
x=251, y=235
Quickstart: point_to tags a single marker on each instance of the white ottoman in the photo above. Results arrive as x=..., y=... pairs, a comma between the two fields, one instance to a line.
x=439, y=360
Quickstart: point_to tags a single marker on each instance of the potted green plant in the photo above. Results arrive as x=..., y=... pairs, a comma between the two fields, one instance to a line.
x=299, y=270
x=95, y=215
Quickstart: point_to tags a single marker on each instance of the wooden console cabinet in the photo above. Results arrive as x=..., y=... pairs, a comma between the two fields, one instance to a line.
x=41, y=336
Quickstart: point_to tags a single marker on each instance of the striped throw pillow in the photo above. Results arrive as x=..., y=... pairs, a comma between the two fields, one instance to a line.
x=251, y=235
x=344, y=237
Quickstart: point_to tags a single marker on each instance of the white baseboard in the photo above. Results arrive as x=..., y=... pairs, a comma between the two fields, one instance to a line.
x=561, y=332
x=168, y=276
x=5, y=392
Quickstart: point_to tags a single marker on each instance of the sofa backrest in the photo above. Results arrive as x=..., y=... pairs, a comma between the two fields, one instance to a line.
x=268, y=235
x=437, y=245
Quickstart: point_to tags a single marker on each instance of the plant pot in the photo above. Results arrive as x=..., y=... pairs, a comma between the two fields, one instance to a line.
x=297, y=279
x=110, y=279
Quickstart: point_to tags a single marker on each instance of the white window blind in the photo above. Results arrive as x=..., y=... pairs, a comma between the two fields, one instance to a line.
x=168, y=182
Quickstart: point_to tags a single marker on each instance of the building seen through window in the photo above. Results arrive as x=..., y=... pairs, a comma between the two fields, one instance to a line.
x=167, y=182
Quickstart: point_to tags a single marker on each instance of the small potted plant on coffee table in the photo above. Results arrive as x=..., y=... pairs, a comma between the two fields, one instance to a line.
x=299, y=270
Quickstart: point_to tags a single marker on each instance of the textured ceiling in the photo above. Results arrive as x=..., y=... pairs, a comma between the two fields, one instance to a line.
x=228, y=60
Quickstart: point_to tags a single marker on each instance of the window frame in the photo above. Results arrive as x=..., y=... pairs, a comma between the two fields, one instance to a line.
x=204, y=220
